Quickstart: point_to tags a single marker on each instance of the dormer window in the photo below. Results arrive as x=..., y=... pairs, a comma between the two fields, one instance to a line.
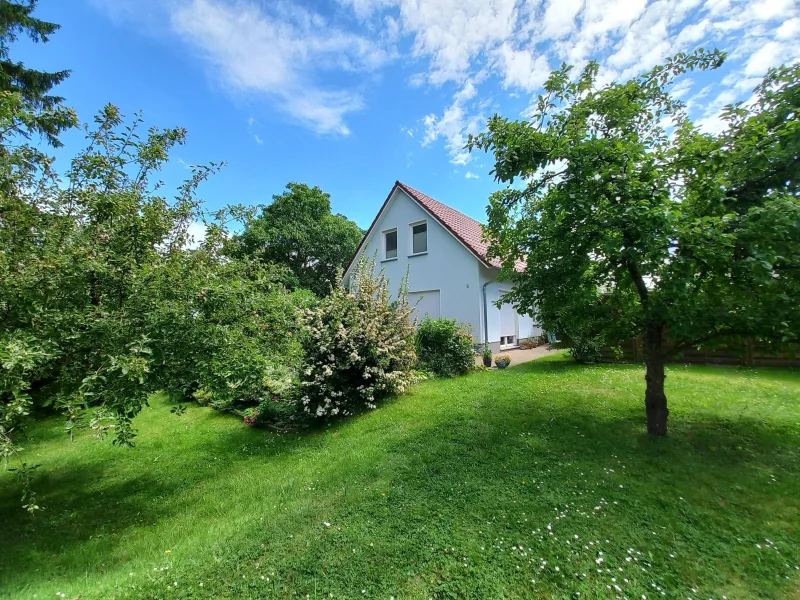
x=390, y=244
x=419, y=237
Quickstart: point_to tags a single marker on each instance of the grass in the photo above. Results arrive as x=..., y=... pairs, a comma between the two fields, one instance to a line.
x=533, y=482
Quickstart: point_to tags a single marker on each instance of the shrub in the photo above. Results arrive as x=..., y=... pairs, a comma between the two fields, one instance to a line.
x=358, y=346
x=529, y=343
x=444, y=347
x=502, y=361
x=585, y=349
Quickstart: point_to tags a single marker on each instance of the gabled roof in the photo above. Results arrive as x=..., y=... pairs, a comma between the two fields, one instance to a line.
x=465, y=229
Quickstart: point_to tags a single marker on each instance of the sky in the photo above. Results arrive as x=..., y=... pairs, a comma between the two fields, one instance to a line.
x=351, y=95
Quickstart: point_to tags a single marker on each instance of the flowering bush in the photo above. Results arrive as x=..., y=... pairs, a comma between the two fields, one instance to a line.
x=251, y=416
x=529, y=343
x=358, y=345
x=445, y=347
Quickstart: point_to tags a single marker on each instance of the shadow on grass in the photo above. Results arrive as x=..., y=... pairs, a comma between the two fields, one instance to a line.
x=501, y=451
x=100, y=495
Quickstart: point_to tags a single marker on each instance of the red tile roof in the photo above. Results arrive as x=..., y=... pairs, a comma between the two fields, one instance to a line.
x=465, y=229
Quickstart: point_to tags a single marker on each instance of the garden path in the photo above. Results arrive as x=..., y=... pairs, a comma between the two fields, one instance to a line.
x=519, y=356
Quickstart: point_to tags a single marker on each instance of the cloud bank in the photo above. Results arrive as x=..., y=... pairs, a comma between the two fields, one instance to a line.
x=311, y=64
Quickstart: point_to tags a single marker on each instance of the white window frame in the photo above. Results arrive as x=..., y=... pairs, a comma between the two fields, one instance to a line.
x=411, y=237
x=384, y=233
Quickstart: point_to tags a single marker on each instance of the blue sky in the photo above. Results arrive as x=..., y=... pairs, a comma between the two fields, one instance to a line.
x=351, y=95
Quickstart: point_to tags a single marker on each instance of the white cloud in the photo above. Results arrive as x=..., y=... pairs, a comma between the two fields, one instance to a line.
x=789, y=30
x=452, y=33
x=522, y=69
x=278, y=54
x=312, y=67
x=680, y=89
x=559, y=17
x=693, y=32
x=197, y=234
x=277, y=51
x=454, y=125
x=771, y=9
x=711, y=121
x=253, y=127
x=471, y=175
x=769, y=55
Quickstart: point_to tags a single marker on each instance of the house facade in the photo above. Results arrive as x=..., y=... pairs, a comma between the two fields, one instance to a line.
x=445, y=257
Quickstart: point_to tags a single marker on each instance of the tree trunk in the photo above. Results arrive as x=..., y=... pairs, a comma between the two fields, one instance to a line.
x=655, y=400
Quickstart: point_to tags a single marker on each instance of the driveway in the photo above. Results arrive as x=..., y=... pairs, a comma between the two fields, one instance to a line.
x=519, y=356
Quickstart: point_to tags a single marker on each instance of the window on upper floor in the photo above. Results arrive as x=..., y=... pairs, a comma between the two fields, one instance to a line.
x=419, y=238
x=390, y=244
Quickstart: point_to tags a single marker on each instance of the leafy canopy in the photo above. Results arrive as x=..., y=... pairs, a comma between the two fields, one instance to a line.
x=297, y=230
x=44, y=113
x=632, y=221
x=622, y=223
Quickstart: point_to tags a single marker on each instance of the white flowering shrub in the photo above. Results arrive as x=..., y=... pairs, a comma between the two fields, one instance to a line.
x=359, y=346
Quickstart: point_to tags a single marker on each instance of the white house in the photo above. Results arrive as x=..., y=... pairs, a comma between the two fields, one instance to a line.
x=449, y=274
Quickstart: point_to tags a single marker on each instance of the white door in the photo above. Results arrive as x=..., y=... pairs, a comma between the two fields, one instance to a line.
x=427, y=303
x=508, y=325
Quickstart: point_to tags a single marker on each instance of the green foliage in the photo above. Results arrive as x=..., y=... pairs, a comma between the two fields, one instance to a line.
x=585, y=349
x=44, y=113
x=625, y=229
x=102, y=303
x=298, y=231
x=444, y=347
x=486, y=352
x=358, y=346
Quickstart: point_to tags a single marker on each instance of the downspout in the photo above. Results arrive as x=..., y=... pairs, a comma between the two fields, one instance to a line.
x=485, y=318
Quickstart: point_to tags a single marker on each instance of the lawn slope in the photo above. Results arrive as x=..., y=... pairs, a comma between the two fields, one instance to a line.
x=534, y=482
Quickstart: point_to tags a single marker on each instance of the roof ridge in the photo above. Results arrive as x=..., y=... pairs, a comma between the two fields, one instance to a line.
x=467, y=230
x=405, y=185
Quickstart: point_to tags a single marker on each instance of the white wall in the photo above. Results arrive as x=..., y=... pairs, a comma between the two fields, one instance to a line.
x=526, y=325
x=448, y=266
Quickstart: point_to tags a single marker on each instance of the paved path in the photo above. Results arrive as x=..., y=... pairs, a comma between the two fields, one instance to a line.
x=522, y=356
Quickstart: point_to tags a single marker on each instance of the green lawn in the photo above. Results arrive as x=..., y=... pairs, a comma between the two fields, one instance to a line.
x=534, y=482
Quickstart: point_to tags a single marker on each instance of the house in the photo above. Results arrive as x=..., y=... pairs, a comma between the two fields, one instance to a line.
x=449, y=273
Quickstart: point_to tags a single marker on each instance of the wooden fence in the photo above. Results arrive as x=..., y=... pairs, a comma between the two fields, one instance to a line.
x=749, y=354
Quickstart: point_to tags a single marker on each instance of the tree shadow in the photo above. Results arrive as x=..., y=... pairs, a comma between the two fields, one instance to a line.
x=441, y=478
x=99, y=499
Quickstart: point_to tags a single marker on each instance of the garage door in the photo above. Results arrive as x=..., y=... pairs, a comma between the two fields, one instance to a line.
x=426, y=302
